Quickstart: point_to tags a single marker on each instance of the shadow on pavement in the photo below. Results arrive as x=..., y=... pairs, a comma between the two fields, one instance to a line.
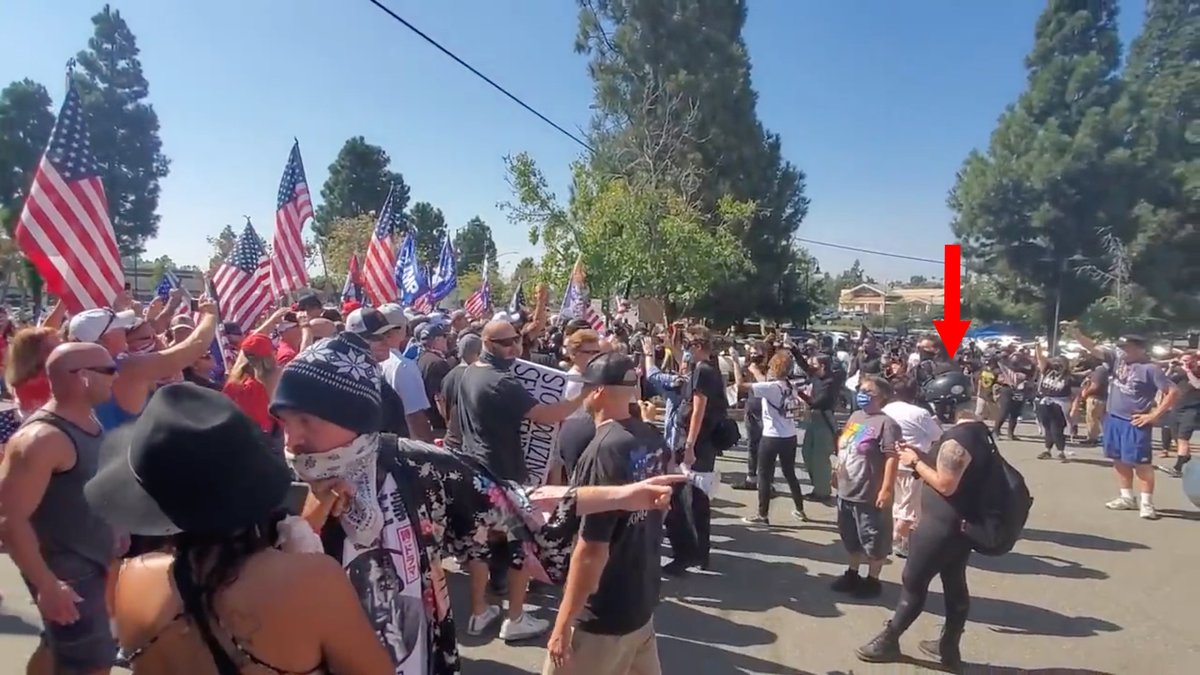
x=1040, y=565
x=1181, y=515
x=10, y=624
x=1080, y=540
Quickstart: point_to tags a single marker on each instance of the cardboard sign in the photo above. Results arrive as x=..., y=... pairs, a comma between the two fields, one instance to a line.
x=538, y=440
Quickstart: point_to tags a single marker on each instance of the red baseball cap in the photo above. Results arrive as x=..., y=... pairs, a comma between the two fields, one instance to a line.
x=257, y=344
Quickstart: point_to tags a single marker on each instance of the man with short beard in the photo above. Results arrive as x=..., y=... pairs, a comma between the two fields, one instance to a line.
x=407, y=504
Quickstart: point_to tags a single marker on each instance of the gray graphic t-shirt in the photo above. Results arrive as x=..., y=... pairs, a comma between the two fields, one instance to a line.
x=863, y=447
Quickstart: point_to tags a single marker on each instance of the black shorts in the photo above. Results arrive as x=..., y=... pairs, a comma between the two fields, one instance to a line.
x=865, y=529
x=1185, y=422
x=87, y=644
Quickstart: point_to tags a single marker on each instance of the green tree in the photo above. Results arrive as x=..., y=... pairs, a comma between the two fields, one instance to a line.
x=26, y=119
x=428, y=225
x=346, y=237
x=123, y=128
x=1032, y=205
x=627, y=228
x=358, y=183
x=1161, y=110
x=473, y=244
x=675, y=105
x=526, y=271
x=221, y=245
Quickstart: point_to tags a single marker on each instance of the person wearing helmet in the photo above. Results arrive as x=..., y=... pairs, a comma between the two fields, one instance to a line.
x=951, y=475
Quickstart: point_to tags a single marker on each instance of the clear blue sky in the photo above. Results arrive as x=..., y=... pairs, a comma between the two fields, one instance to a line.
x=879, y=102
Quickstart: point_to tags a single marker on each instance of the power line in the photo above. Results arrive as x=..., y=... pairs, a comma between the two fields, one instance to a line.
x=844, y=247
x=583, y=143
x=480, y=75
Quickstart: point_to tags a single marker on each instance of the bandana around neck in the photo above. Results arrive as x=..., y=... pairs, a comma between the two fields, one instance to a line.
x=356, y=464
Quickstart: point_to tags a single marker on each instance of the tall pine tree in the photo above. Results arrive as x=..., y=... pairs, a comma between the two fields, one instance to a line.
x=26, y=120
x=124, y=129
x=1161, y=112
x=1030, y=210
x=682, y=65
x=358, y=183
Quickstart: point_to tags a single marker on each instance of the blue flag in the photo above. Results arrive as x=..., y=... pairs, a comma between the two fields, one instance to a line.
x=445, y=277
x=410, y=278
x=220, y=344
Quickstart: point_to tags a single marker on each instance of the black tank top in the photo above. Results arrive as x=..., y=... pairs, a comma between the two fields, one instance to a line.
x=963, y=504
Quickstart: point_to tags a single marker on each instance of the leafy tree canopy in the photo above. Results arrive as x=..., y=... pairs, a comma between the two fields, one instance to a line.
x=358, y=183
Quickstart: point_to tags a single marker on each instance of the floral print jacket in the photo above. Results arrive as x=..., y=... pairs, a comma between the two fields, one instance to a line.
x=457, y=504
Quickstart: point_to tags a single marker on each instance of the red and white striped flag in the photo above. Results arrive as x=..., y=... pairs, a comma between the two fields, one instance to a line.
x=242, y=282
x=289, y=269
x=64, y=228
x=479, y=304
x=379, y=278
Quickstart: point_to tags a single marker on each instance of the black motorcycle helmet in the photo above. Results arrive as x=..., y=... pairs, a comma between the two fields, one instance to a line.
x=946, y=391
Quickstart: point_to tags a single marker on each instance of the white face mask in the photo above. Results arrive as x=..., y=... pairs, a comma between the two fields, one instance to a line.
x=356, y=464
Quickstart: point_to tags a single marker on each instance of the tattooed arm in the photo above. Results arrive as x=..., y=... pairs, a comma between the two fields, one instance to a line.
x=952, y=461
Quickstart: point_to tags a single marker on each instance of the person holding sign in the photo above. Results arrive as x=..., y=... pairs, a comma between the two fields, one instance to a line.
x=491, y=406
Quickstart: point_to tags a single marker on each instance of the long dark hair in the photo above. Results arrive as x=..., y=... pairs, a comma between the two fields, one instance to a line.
x=207, y=563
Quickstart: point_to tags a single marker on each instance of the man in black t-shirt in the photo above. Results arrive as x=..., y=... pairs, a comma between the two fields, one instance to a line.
x=613, y=583
x=433, y=365
x=702, y=411
x=469, y=346
x=490, y=408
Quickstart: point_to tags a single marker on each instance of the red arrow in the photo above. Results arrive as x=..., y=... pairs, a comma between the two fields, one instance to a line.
x=952, y=329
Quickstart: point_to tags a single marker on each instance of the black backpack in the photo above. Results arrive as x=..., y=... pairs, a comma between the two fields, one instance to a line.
x=1004, y=504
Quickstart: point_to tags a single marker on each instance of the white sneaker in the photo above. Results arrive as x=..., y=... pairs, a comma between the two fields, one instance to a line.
x=1122, y=504
x=523, y=628
x=1148, y=512
x=480, y=622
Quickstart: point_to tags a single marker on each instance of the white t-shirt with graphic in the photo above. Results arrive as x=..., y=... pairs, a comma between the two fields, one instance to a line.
x=779, y=405
x=918, y=427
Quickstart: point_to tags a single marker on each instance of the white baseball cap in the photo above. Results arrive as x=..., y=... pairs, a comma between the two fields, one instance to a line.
x=394, y=314
x=90, y=324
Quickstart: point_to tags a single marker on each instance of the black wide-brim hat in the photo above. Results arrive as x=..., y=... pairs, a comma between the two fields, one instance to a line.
x=191, y=462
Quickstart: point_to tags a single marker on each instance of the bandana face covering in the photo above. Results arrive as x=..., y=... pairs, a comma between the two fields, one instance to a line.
x=356, y=464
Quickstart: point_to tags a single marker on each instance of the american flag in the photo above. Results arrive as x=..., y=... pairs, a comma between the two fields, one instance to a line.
x=293, y=207
x=64, y=229
x=242, y=282
x=378, y=275
x=170, y=282
x=352, y=290
x=576, y=304
x=479, y=303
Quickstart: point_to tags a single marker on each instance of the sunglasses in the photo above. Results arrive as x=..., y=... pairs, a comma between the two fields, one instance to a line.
x=505, y=342
x=103, y=370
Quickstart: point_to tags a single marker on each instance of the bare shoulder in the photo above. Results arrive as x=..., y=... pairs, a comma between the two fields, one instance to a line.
x=41, y=442
x=952, y=456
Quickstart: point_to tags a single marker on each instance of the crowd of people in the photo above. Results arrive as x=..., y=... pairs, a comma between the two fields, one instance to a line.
x=293, y=513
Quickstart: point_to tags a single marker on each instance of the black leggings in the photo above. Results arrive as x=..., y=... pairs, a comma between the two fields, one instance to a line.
x=1054, y=425
x=754, y=427
x=783, y=449
x=935, y=549
x=1010, y=410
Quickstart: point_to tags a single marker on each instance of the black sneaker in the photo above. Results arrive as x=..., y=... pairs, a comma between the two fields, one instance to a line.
x=868, y=587
x=1044, y=455
x=799, y=515
x=756, y=520
x=847, y=582
x=746, y=485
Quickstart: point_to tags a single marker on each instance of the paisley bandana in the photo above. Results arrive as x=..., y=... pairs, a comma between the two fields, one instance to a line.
x=356, y=464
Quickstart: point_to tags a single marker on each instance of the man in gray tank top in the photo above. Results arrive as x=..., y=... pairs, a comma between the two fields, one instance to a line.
x=61, y=547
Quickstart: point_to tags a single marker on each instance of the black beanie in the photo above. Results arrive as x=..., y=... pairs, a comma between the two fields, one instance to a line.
x=335, y=380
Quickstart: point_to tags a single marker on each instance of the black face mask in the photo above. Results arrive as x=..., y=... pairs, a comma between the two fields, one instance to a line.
x=927, y=355
x=496, y=362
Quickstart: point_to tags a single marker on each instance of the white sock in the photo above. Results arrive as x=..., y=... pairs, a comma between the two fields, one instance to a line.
x=1147, y=499
x=1127, y=493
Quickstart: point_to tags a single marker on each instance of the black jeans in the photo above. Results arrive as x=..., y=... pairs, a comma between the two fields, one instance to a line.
x=935, y=549
x=754, y=432
x=1010, y=411
x=1054, y=425
x=783, y=449
x=689, y=525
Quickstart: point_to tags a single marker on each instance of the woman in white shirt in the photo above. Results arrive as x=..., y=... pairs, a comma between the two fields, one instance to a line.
x=779, y=404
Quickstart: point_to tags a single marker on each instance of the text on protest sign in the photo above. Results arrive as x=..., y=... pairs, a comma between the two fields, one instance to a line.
x=538, y=440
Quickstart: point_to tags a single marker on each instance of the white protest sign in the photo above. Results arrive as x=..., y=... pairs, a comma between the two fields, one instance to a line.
x=537, y=440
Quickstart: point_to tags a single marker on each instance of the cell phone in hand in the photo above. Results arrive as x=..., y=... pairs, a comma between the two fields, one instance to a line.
x=297, y=495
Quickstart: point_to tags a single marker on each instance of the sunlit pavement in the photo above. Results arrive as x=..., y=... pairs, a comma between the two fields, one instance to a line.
x=1086, y=591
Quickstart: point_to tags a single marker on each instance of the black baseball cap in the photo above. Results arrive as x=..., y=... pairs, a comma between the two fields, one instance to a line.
x=1136, y=340
x=608, y=370
x=367, y=322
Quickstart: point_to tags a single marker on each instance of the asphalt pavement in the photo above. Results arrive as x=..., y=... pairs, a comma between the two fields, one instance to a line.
x=1086, y=591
